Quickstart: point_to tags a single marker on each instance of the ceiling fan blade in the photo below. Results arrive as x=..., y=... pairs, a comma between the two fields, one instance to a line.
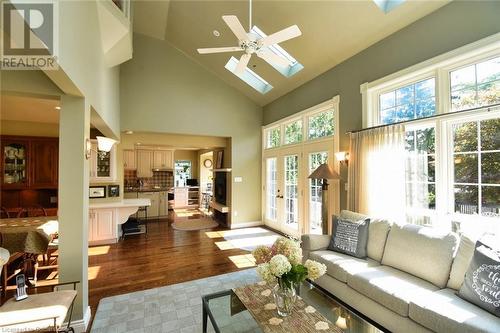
x=234, y=24
x=242, y=64
x=272, y=58
x=220, y=49
x=282, y=35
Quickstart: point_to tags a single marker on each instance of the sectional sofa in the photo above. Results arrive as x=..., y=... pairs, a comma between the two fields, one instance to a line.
x=409, y=280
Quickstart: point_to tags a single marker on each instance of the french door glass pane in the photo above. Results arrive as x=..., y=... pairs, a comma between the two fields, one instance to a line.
x=271, y=189
x=315, y=193
x=291, y=191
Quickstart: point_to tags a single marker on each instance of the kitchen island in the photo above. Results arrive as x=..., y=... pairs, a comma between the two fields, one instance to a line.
x=105, y=219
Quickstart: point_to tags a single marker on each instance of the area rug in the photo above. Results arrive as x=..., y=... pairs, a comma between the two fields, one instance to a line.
x=194, y=224
x=175, y=308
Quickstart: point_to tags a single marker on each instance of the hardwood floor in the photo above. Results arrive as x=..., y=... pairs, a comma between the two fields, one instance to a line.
x=166, y=256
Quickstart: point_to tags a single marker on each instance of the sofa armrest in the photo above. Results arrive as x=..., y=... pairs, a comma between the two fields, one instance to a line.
x=312, y=242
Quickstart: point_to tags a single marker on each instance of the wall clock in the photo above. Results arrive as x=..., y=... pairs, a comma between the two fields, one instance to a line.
x=207, y=163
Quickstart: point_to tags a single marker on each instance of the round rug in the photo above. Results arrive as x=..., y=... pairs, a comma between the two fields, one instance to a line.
x=198, y=224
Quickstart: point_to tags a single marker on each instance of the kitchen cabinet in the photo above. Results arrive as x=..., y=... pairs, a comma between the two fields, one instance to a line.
x=102, y=164
x=44, y=163
x=102, y=226
x=130, y=195
x=163, y=203
x=129, y=162
x=144, y=163
x=163, y=159
x=15, y=162
x=154, y=209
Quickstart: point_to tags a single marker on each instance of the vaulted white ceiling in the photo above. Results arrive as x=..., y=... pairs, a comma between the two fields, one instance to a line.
x=332, y=31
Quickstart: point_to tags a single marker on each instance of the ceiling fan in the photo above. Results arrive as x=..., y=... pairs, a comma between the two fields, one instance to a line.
x=251, y=43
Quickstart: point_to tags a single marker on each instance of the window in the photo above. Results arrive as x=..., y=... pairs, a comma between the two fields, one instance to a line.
x=413, y=101
x=271, y=188
x=182, y=172
x=420, y=175
x=273, y=137
x=476, y=167
x=292, y=191
x=475, y=85
x=321, y=125
x=293, y=132
x=315, y=160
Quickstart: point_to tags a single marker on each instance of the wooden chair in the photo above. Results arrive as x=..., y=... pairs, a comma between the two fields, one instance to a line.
x=32, y=211
x=40, y=312
x=4, y=214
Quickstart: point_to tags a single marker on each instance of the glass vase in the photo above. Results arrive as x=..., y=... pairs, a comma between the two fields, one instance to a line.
x=284, y=297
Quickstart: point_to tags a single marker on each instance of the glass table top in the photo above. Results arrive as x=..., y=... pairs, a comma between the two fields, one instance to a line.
x=230, y=315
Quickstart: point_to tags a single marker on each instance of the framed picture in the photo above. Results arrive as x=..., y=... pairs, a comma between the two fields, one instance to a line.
x=97, y=192
x=113, y=191
x=220, y=154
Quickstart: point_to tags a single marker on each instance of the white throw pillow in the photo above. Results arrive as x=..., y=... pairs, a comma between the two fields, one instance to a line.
x=461, y=262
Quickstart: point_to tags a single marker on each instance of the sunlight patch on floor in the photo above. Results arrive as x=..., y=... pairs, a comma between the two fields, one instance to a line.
x=93, y=272
x=98, y=250
x=236, y=232
x=243, y=260
x=225, y=245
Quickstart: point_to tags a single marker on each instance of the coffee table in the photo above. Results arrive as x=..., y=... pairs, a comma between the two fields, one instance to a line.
x=228, y=314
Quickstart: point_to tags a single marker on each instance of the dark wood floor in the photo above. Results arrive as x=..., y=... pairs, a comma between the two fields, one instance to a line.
x=166, y=256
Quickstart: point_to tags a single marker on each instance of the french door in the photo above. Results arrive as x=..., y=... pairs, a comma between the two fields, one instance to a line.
x=292, y=201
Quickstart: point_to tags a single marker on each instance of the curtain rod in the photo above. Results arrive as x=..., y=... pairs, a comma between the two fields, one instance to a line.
x=487, y=108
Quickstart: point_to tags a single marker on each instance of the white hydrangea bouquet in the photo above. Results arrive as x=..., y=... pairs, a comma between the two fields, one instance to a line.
x=281, y=265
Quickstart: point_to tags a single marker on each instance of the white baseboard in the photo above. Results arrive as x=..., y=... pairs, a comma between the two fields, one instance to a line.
x=246, y=224
x=81, y=325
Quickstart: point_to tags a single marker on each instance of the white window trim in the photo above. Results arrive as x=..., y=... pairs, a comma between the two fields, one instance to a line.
x=438, y=67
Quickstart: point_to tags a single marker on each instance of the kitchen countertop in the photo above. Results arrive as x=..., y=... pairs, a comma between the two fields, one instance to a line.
x=121, y=204
x=147, y=189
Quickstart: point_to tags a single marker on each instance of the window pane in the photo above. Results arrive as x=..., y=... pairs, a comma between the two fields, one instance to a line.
x=490, y=168
x=425, y=140
x=410, y=141
x=321, y=125
x=404, y=112
x=271, y=189
x=425, y=107
x=464, y=78
x=291, y=191
x=293, y=132
x=490, y=201
x=273, y=138
x=404, y=95
x=463, y=99
x=488, y=70
x=388, y=116
x=490, y=134
x=315, y=160
x=466, y=168
x=424, y=89
x=387, y=100
x=466, y=199
x=421, y=195
x=465, y=137
x=488, y=93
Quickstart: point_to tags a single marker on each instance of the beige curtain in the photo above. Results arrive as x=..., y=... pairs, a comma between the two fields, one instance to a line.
x=377, y=172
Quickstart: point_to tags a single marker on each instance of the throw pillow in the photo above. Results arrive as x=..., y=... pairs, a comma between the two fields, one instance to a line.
x=350, y=237
x=482, y=280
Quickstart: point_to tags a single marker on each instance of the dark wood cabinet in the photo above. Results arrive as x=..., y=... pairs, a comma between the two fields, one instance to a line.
x=15, y=162
x=44, y=159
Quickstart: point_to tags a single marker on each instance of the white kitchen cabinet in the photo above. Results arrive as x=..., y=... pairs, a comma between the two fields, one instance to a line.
x=144, y=163
x=154, y=209
x=102, y=226
x=163, y=159
x=129, y=162
x=163, y=203
x=102, y=165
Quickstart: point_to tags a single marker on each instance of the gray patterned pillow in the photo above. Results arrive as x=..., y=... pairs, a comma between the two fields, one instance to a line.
x=350, y=237
x=482, y=280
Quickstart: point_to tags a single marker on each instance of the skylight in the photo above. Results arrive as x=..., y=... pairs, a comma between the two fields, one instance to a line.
x=387, y=5
x=250, y=77
x=287, y=71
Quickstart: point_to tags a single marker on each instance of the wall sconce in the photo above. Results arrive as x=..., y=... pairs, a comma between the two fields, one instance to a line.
x=104, y=146
x=342, y=157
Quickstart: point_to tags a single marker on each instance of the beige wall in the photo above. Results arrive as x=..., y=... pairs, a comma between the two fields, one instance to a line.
x=28, y=128
x=164, y=91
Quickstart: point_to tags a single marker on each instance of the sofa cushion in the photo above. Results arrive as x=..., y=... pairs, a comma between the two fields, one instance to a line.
x=421, y=251
x=461, y=262
x=390, y=287
x=482, y=281
x=341, y=265
x=377, y=233
x=350, y=237
x=443, y=311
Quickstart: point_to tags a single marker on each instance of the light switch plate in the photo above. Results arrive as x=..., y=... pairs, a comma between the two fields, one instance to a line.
x=238, y=179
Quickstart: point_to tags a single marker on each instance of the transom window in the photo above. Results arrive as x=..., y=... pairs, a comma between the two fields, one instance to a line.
x=321, y=125
x=293, y=132
x=273, y=137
